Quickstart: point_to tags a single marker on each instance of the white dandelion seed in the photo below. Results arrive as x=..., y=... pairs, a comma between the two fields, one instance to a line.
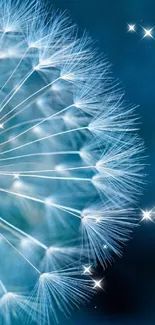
x=70, y=164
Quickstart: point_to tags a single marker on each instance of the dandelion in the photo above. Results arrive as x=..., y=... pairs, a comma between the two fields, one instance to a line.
x=70, y=164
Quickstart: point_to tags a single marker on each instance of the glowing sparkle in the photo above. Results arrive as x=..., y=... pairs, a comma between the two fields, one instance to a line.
x=87, y=270
x=148, y=32
x=16, y=176
x=1, y=126
x=97, y=284
x=147, y=215
x=131, y=27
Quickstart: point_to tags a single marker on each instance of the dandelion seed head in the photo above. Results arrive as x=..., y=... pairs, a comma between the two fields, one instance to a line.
x=71, y=164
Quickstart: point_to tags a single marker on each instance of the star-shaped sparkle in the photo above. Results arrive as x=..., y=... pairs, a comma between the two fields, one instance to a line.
x=87, y=269
x=147, y=215
x=131, y=28
x=16, y=176
x=148, y=32
x=97, y=284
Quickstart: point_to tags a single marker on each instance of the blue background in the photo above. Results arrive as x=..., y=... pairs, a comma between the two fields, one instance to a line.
x=129, y=296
